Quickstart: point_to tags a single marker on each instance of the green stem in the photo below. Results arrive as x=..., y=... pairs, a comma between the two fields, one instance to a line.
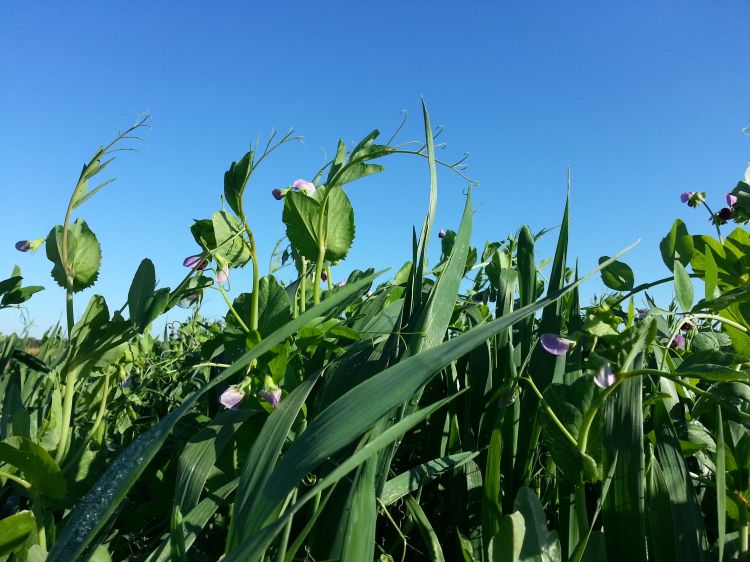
x=256, y=280
x=329, y=280
x=102, y=408
x=722, y=320
x=39, y=515
x=303, y=286
x=233, y=311
x=588, y=418
x=70, y=385
x=16, y=479
x=718, y=228
x=549, y=411
x=69, y=307
x=744, y=546
x=283, y=543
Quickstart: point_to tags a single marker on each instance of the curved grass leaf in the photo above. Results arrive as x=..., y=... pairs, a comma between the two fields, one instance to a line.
x=406, y=482
x=14, y=530
x=253, y=547
x=95, y=509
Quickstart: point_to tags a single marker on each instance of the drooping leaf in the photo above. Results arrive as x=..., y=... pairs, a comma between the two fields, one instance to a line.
x=617, y=276
x=14, y=530
x=676, y=245
x=37, y=467
x=683, y=287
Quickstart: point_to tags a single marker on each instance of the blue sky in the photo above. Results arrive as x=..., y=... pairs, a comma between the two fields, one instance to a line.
x=643, y=100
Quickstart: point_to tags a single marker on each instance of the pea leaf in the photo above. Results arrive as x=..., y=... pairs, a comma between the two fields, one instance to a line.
x=84, y=255
x=617, y=275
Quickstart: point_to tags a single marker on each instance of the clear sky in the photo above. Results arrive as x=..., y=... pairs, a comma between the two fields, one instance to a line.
x=643, y=100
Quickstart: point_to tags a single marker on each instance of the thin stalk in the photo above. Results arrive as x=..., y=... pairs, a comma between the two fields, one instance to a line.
x=550, y=413
x=744, y=543
x=303, y=286
x=588, y=418
x=256, y=278
x=41, y=532
x=718, y=228
x=234, y=312
x=16, y=479
x=102, y=408
x=321, y=254
x=329, y=280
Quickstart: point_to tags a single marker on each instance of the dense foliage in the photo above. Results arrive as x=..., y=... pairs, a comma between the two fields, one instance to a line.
x=474, y=410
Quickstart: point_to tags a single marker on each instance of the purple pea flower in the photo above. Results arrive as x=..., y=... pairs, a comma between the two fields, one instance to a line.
x=678, y=342
x=554, y=344
x=687, y=325
x=231, y=397
x=273, y=397
x=222, y=275
x=306, y=187
x=731, y=200
x=685, y=197
x=196, y=260
x=29, y=245
x=441, y=234
x=341, y=283
x=604, y=377
x=277, y=194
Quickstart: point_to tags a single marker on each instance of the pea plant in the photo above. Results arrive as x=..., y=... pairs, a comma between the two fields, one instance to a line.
x=474, y=409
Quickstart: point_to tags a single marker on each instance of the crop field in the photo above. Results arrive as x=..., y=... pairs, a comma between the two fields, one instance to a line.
x=473, y=409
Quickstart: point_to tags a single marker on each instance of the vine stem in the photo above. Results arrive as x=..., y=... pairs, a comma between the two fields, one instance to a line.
x=550, y=412
x=16, y=479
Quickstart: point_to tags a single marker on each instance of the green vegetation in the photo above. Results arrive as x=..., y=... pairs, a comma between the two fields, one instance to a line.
x=475, y=410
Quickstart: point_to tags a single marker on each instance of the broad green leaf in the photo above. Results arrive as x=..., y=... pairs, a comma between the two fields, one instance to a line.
x=301, y=215
x=274, y=307
x=713, y=365
x=84, y=255
x=538, y=542
x=229, y=239
x=617, y=276
x=710, y=275
x=676, y=245
x=141, y=292
x=14, y=530
x=683, y=287
x=37, y=467
x=506, y=545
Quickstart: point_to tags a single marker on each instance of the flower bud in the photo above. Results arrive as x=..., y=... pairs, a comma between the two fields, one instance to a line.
x=277, y=194
x=198, y=260
x=678, y=342
x=222, y=275
x=604, y=377
x=323, y=275
x=306, y=187
x=231, y=397
x=441, y=233
x=29, y=245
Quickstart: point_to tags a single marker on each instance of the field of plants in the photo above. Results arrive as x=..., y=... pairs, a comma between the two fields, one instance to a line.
x=470, y=410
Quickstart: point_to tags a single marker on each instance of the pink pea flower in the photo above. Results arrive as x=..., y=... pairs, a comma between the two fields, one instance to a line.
x=231, y=397
x=273, y=397
x=222, y=275
x=604, y=377
x=196, y=260
x=341, y=283
x=306, y=187
x=441, y=233
x=731, y=200
x=554, y=344
x=678, y=342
